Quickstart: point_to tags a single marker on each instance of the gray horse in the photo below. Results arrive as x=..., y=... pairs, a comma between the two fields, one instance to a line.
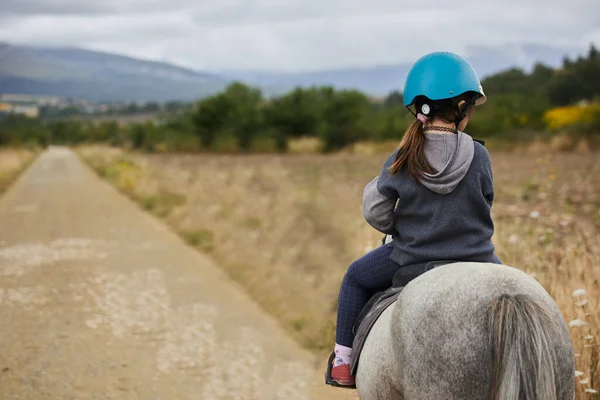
x=469, y=331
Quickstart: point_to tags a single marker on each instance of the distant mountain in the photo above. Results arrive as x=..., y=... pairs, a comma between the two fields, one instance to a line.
x=381, y=80
x=71, y=72
x=376, y=80
x=77, y=73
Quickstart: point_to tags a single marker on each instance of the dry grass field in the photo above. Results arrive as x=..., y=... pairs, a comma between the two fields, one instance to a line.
x=12, y=162
x=286, y=227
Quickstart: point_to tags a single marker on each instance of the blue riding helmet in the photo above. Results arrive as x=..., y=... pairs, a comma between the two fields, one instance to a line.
x=441, y=75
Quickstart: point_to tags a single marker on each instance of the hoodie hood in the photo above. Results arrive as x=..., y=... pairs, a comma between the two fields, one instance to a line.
x=451, y=155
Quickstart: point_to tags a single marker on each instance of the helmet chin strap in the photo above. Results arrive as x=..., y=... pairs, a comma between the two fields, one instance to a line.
x=411, y=111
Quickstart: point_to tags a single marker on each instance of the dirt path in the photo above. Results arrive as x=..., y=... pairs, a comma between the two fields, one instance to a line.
x=101, y=301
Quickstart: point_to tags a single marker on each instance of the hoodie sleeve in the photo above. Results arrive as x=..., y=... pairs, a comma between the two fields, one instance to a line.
x=378, y=210
x=379, y=201
x=487, y=184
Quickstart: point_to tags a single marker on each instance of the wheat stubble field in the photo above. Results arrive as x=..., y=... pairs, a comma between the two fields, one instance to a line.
x=287, y=226
x=12, y=162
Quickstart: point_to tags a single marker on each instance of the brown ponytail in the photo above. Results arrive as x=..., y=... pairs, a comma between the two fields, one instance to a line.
x=411, y=153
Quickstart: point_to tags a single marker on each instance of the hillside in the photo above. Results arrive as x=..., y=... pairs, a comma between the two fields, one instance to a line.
x=71, y=72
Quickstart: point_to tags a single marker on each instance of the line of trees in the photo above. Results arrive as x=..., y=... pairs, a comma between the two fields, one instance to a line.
x=240, y=116
x=49, y=112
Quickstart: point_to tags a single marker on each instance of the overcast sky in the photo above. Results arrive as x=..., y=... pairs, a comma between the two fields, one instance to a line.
x=296, y=34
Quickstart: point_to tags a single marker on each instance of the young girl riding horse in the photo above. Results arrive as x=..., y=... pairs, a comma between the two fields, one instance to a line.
x=442, y=181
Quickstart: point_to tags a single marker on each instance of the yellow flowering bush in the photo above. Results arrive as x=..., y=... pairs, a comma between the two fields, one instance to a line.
x=585, y=115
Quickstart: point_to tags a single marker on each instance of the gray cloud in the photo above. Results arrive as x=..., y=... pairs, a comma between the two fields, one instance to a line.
x=85, y=8
x=298, y=34
x=58, y=7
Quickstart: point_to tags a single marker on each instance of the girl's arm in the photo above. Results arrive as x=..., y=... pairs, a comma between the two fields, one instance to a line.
x=487, y=185
x=378, y=210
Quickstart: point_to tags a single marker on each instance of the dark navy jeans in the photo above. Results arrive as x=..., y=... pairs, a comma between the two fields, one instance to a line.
x=366, y=276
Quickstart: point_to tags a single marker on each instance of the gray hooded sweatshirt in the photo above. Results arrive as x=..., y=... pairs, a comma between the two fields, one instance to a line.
x=443, y=216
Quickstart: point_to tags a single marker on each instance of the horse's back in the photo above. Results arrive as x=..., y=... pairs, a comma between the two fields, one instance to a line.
x=439, y=333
